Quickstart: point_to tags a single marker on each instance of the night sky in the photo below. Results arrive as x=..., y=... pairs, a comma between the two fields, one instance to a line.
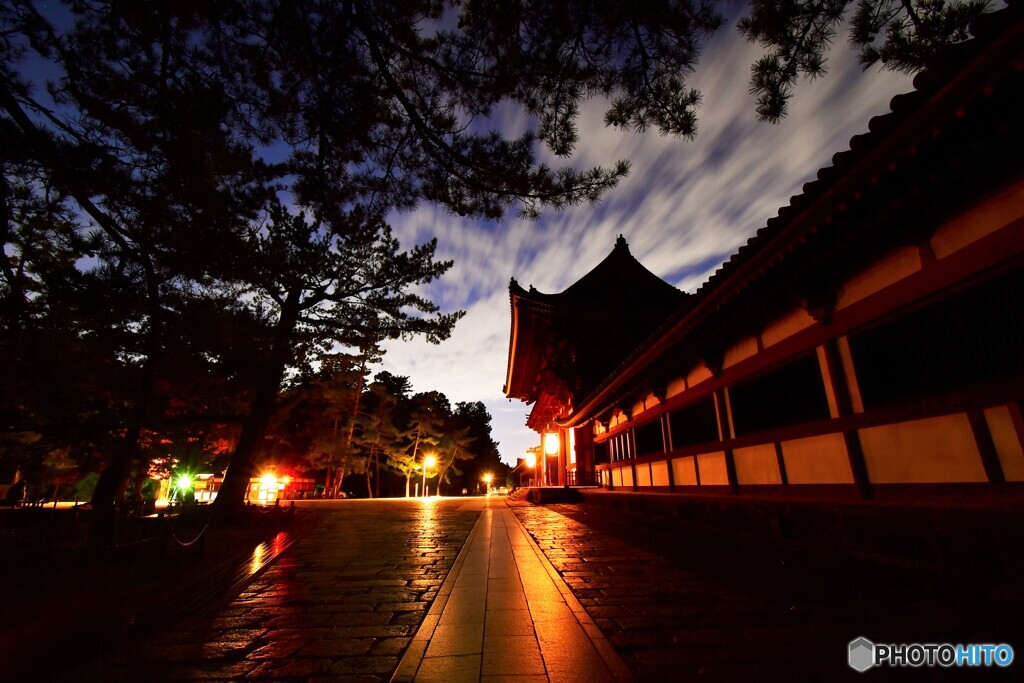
x=684, y=209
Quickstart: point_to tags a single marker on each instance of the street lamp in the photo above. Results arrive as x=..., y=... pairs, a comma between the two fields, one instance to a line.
x=487, y=480
x=182, y=484
x=428, y=461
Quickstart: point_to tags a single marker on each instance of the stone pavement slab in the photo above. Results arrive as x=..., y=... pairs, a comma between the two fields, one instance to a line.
x=63, y=598
x=469, y=589
x=341, y=605
x=681, y=602
x=505, y=614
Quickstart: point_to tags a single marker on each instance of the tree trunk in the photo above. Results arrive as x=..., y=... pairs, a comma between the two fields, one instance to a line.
x=114, y=478
x=332, y=486
x=369, y=476
x=355, y=413
x=231, y=498
x=137, y=483
x=412, y=465
x=440, y=478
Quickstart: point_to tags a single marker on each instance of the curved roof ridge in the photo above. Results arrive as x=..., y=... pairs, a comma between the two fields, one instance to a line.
x=618, y=279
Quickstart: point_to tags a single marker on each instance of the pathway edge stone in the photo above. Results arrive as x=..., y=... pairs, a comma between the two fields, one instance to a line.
x=413, y=657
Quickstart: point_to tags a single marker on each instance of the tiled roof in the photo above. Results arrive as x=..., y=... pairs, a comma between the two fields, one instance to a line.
x=618, y=280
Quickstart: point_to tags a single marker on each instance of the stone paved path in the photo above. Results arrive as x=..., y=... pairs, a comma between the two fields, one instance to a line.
x=340, y=605
x=677, y=602
x=504, y=614
x=682, y=603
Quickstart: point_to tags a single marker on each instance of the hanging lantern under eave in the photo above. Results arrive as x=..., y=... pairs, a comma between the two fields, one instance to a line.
x=551, y=443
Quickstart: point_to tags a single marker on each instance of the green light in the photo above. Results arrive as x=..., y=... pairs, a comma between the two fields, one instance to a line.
x=184, y=482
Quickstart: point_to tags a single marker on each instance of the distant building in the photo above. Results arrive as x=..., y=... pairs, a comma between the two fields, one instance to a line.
x=869, y=338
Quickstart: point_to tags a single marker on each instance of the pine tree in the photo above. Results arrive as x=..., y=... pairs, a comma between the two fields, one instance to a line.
x=799, y=32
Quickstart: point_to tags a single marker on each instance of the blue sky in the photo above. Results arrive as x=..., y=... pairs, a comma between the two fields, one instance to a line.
x=684, y=209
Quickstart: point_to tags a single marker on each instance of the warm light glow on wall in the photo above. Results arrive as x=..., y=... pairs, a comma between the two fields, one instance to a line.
x=551, y=444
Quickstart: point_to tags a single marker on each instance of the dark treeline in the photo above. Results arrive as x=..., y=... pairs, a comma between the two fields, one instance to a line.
x=372, y=439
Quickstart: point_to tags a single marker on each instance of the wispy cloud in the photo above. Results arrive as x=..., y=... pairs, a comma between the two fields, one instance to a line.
x=685, y=208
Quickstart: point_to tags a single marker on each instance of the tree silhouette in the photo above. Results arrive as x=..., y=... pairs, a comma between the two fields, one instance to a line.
x=799, y=32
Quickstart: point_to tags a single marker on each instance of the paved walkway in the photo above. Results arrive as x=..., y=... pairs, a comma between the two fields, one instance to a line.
x=473, y=590
x=505, y=614
x=457, y=585
x=341, y=604
x=687, y=603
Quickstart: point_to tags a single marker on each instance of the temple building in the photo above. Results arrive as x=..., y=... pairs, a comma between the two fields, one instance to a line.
x=866, y=341
x=563, y=345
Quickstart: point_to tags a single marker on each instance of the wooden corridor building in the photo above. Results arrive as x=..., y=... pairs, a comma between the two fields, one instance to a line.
x=868, y=339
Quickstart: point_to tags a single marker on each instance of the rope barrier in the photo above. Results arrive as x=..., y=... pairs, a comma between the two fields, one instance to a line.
x=168, y=533
x=132, y=544
x=186, y=544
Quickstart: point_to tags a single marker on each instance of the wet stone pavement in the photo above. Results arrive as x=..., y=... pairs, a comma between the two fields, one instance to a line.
x=677, y=602
x=341, y=605
x=682, y=603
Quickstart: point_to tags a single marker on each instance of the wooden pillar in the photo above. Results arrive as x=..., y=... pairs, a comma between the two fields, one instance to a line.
x=585, y=466
x=542, y=462
x=666, y=435
x=563, y=456
x=725, y=431
x=986, y=446
x=781, y=462
x=847, y=399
